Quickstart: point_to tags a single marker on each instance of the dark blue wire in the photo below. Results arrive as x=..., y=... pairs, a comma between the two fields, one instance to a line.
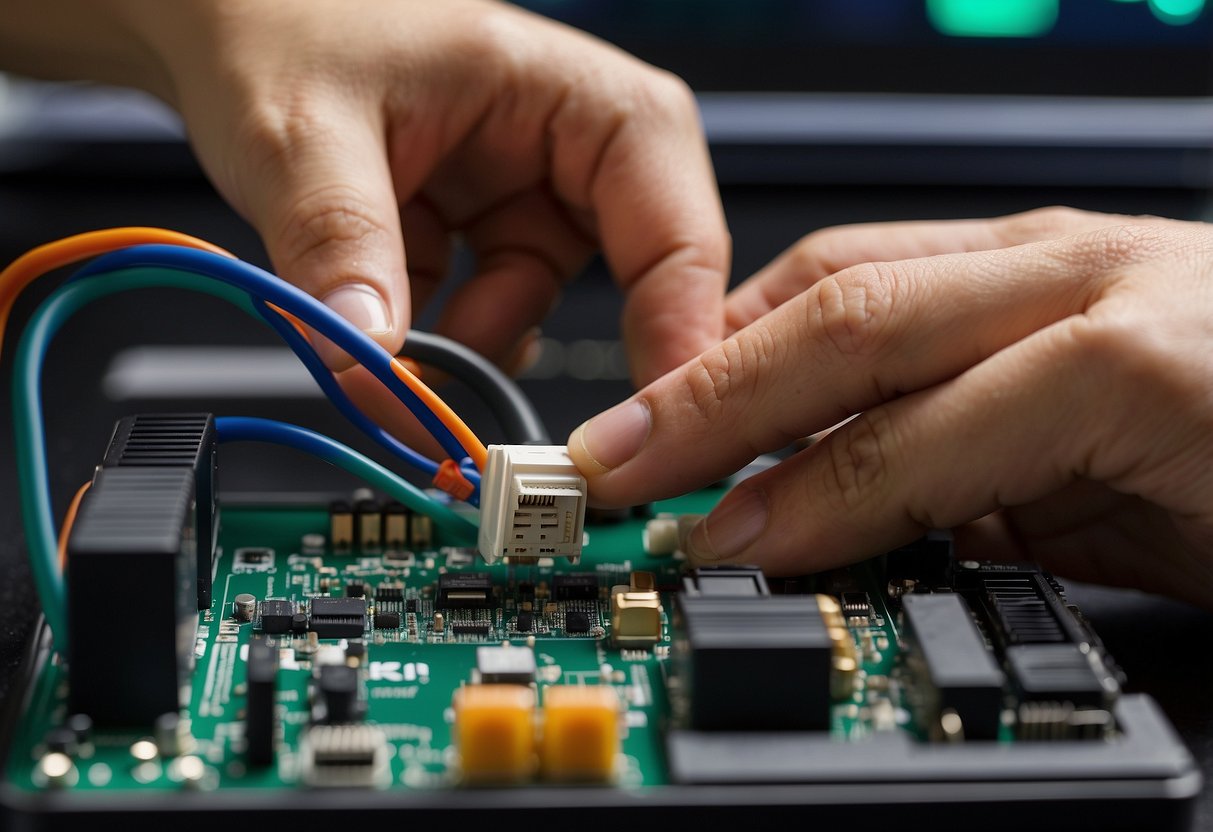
x=267, y=287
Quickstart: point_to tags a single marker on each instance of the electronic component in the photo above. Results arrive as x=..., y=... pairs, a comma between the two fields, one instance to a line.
x=635, y=616
x=532, y=503
x=261, y=680
x=576, y=621
x=725, y=581
x=341, y=524
x=471, y=628
x=1059, y=673
x=355, y=590
x=244, y=607
x=410, y=605
x=177, y=440
x=368, y=524
x=389, y=593
x=575, y=586
x=845, y=658
x=134, y=534
x=494, y=732
x=337, y=617
x=955, y=671
x=421, y=531
x=276, y=615
x=660, y=536
x=460, y=590
x=344, y=756
x=780, y=641
x=525, y=622
x=581, y=735
x=337, y=694
x=387, y=621
x=856, y=605
x=355, y=652
x=505, y=665
x=395, y=525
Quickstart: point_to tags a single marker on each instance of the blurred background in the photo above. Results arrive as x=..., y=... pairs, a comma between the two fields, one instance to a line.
x=818, y=112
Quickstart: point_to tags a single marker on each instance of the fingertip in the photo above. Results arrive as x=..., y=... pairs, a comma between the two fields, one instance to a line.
x=367, y=309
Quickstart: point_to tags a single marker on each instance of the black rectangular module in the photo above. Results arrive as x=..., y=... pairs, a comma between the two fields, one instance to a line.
x=471, y=628
x=725, y=582
x=337, y=695
x=132, y=549
x=575, y=586
x=262, y=675
x=356, y=590
x=410, y=605
x=525, y=622
x=1057, y=673
x=1025, y=607
x=461, y=590
x=949, y=655
x=387, y=621
x=177, y=440
x=337, y=617
x=756, y=664
x=276, y=615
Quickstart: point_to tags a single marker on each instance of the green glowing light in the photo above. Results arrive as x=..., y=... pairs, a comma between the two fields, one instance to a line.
x=1177, y=12
x=993, y=18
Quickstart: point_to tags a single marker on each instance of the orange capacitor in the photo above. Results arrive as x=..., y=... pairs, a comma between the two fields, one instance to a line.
x=581, y=737
x=495, y=732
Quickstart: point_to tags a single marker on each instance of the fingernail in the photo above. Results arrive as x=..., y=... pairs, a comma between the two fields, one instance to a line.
x=612, y=438
x=362, y=306
x=730, y=528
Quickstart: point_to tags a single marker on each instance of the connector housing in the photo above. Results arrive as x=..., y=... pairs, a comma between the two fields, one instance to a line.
x=532, y=503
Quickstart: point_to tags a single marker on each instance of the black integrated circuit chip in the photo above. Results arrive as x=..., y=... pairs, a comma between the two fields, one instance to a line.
x=387, y=621
x=337, y=617
x=575, y=586
x=576, y=621
x=276, y=615
x=388, y=592
x=525, y=622
x=461, y=590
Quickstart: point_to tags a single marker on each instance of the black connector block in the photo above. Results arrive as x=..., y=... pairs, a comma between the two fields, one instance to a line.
x=131, y=555
x=259, y=717
x=756, y=664
x=950, y=659
x=337, y=617
x=464, y=590
x=177, y=440
x=1058, y=673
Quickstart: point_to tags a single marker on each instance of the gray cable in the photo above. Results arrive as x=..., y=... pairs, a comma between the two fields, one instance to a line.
x=511, y=407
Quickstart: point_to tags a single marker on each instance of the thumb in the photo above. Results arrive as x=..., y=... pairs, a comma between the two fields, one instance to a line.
x=328, y=215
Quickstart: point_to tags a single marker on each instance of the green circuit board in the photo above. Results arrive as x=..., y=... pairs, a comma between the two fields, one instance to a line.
x=410, y=673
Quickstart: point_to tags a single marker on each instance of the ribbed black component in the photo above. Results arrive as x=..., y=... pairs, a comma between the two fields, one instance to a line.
x=176, y=440
x=131, y=572
x=1057, y=673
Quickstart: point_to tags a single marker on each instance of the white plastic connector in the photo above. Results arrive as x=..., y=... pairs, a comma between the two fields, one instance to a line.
x=532, y=503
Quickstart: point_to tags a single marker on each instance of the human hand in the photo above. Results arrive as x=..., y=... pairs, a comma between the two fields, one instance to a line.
x=350, y=132
x=1047, y=392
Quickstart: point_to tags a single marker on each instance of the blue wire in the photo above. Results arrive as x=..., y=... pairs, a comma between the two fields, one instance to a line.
x=248, y=429
x=328, y=383
x=263, y=285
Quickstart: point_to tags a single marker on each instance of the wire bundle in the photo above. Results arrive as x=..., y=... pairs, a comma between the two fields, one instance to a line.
x=134, y=258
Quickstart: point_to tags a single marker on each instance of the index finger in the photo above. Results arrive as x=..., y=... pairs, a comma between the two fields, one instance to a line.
x=643, y=170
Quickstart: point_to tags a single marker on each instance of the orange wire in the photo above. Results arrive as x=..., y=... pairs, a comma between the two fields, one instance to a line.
x=442, y=410
x=45, y=258
x=69, y=520
x=448, y=417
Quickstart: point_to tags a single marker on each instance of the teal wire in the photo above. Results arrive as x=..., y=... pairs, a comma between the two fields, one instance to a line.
x=251, y=429
x=36, y=510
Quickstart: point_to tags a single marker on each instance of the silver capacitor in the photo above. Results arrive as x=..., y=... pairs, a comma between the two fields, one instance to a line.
x=244, y=606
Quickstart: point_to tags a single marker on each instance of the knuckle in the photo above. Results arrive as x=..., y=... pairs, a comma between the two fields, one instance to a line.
x=1120, y=245
x=1044, y=222
x=859, y=457
x=725, y=380
x=1118, y=353
x=336, y=215
x=853, y=310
